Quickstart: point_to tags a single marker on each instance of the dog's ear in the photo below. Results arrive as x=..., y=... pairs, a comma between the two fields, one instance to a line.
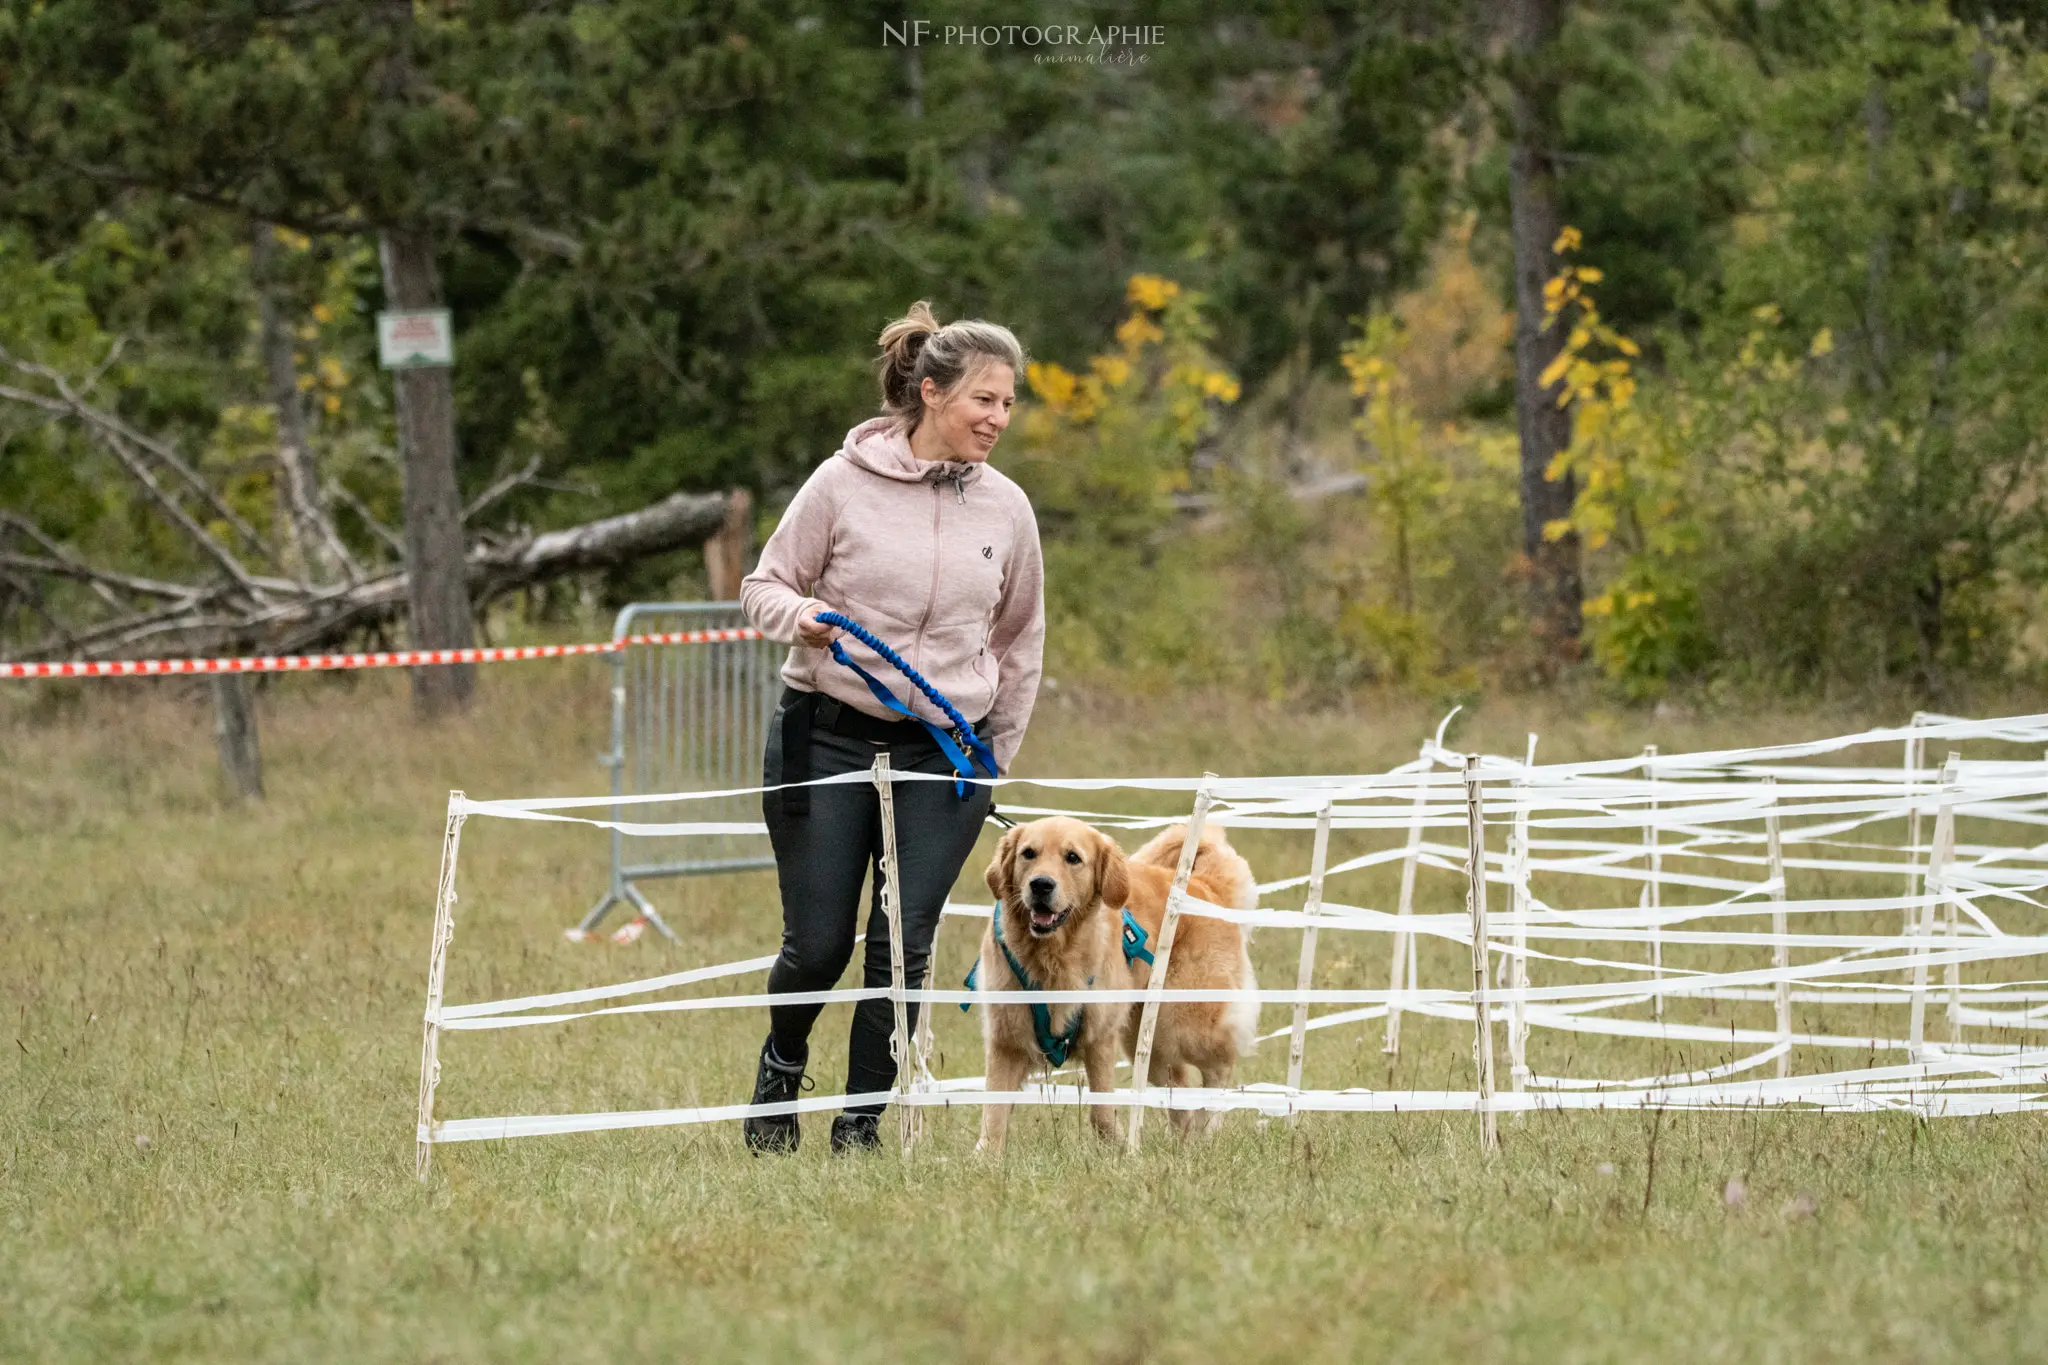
x=998, y=874
x=1112, y=873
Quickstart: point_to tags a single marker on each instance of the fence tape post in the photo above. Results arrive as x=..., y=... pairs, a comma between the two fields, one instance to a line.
x=1401, y=975
x=437, y=976
x=1304, y=977
x=1148, y=1018
x=1653, y=889
x=1518, y=962
x=1781, y=952
x=1914, y=745
x=892, y=906
x=1482, y=1012
x=1937, y=887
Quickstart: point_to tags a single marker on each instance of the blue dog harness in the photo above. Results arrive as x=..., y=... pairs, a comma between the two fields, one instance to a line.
x=1057, y=1047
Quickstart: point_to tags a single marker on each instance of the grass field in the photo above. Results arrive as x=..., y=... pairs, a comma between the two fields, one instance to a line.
x=207, y=1113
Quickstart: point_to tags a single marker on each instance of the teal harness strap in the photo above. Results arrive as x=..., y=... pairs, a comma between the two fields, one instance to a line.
x=1057, y=1047
x=1135, y=939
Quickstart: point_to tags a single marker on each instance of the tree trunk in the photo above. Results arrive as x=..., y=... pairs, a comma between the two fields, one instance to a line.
x=725, y=553
x=1544, y=427
x=234, y=726
x=299, y=499
x=437, y=580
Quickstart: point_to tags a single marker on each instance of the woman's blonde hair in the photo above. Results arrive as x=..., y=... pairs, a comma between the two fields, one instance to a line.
x=916, y=348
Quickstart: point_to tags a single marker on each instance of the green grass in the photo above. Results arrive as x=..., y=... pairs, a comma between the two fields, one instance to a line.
x=207, y=1116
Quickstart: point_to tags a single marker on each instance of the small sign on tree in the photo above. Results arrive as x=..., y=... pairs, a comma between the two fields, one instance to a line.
x=414, y=338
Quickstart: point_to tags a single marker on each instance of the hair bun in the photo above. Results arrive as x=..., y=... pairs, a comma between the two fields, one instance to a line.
x=916, y=348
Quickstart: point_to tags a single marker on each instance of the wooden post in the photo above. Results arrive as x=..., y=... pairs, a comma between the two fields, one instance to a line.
x=1518, y=963
x=908, y=1126
x=1653, y=890
x=1482, y=1009
x=727, y=549
x=1937, y=887
x=234, y=728
x=1304, y=976
x=1781, y=953
x=437, y=977
x=1401, y=975
x=1951, y=914
x=1148, y=1018
x=1914, y=748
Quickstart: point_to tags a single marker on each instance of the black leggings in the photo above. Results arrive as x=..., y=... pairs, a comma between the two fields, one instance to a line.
x=821, y=856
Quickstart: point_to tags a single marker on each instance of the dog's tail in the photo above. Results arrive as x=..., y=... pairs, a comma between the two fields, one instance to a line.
x=1216, y=863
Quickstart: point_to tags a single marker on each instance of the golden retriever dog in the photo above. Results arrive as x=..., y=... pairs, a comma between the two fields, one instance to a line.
x=1061, y=887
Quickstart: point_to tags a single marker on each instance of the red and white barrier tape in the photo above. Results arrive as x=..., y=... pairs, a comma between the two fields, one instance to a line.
x=396, y=658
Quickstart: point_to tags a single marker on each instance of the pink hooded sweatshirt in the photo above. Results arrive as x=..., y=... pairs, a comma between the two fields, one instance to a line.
x=939, y=559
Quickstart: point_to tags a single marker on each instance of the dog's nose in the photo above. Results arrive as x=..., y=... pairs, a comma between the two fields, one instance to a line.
x=1043, y=887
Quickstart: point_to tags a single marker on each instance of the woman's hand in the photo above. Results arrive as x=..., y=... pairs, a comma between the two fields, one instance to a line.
x=814, y=634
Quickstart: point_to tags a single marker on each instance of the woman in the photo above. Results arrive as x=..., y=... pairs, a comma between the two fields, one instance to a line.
x=908, y=531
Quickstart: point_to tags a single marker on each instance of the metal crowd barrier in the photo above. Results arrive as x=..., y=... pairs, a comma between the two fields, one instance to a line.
x=686, y=718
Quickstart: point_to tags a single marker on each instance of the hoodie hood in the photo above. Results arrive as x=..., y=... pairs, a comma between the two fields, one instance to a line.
x=878, y=447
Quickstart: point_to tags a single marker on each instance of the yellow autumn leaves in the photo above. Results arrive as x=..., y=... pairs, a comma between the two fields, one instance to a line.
x=1158, y=347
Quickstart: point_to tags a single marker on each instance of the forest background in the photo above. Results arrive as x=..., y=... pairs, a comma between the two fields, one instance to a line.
x=1781, y=378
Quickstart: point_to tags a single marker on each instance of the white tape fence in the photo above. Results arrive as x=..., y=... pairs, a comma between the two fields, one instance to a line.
x=1749, y=860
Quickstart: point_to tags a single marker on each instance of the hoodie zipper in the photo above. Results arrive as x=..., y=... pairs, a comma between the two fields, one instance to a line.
x=931, y=599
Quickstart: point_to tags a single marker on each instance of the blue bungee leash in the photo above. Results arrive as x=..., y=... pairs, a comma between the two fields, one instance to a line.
x=955, y=745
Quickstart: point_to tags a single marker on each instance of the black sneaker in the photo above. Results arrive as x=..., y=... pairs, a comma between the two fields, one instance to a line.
x=856, y=1133
x=775, y=1082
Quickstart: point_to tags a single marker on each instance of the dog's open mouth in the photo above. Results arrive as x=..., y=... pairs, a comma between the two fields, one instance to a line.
x=1045, y=919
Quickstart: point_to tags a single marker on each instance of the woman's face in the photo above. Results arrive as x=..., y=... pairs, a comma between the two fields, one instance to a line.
x=970, y=421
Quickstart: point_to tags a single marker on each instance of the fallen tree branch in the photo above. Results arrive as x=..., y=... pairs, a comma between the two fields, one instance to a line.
x=242, y=608
x=677, y=521
x=296, y=617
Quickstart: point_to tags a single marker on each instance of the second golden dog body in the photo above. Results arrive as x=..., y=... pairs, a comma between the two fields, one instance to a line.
x=1060, y=887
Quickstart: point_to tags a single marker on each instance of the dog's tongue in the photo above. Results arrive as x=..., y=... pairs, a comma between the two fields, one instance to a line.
x=1044, y=917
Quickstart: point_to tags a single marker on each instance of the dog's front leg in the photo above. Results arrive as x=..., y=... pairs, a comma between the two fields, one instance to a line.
x=1006, y=1070
x=1098, y=1060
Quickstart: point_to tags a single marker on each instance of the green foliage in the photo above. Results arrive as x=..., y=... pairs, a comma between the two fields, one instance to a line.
x=670, y=232
x=1102, y=453
x=1828, y=479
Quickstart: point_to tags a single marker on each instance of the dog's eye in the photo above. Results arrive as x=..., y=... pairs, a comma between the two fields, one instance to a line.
x=1029, y=854
x=1073, y=857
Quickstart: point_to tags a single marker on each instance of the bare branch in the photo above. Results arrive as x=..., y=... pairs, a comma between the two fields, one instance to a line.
x=213, y=549
x=389, y=537
x=518, y=478
x=115, y=436
x=64, y=566
x=57, y=552
x=113, y=354
x=33, y=399
x=107, y=421
x=308, y=512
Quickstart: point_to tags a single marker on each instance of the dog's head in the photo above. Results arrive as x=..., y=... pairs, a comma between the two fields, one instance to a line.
x=1053, y=868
